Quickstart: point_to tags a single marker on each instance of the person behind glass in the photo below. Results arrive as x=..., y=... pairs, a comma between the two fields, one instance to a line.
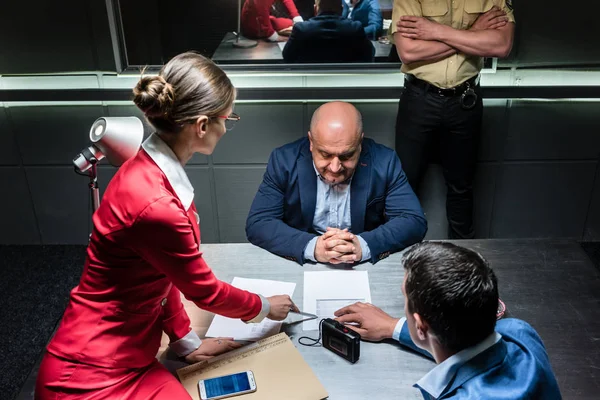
x=258, y=23
x=145, y=249
x=451, y=300
x=367, y=12
x=328, y=38
x=442, y=44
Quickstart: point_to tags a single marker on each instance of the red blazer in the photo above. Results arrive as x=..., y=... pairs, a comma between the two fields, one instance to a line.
x=143, y=250
x=256, y=22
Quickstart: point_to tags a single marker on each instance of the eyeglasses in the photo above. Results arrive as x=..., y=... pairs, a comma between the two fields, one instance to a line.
x=230, y=120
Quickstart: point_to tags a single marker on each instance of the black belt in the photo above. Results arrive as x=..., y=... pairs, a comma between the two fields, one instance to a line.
x=455, y=91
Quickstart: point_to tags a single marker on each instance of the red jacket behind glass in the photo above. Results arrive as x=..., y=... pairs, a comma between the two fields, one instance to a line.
x=257, y=21
x=143, y=250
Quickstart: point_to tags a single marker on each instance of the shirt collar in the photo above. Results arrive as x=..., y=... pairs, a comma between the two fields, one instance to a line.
x=346, y=182
x=438, y=378
x=169, y=164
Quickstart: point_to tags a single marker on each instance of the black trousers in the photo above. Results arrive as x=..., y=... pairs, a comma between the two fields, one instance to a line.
x=428, y=122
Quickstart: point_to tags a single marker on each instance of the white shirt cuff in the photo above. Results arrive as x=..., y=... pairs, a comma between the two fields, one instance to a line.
x=273, y=37
x=264, y=311
x=366, y=251
x=186, y=344
x=309, y=251
x=398, y=329
x=298, y=19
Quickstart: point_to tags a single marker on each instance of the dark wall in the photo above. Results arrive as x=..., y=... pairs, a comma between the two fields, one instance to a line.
x=40, y=36
x=537, y=176
x=157, y=30
x=49, y=36
x=553, y=33
x=538, y=172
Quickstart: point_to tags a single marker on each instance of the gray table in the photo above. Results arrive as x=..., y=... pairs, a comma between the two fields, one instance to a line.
x=270, y=52
x=549, y=283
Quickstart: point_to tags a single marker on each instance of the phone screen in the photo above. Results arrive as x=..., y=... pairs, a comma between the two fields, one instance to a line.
x=229, y=384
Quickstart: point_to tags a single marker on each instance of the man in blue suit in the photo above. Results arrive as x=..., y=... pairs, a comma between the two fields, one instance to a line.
x=451, y=297
x=368, y=13
x=328, y=38
x=334, y=196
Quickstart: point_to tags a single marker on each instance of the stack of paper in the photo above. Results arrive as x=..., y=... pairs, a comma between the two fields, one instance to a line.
x=327, y=291
x=235, y=328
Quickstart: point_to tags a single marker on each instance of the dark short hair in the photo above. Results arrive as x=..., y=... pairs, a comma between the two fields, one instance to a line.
x=330, y=6
x=454, y=290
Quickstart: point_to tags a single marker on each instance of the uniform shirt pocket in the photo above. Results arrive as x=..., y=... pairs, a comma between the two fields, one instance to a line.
x=434, y=8
x=473, y=9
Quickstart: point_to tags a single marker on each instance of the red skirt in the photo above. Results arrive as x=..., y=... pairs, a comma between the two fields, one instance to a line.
x=59, y=378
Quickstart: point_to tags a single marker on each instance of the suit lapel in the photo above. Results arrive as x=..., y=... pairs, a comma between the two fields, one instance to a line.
x=477, y=365
x=359, y=190
x=307, y=186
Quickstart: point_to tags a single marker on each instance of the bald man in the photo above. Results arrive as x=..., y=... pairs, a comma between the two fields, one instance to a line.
x=334, y=196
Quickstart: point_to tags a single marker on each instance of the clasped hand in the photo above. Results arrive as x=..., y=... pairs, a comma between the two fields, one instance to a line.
x=338, y=246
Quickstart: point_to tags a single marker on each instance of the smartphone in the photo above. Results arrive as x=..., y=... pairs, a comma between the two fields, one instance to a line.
x=227, y=386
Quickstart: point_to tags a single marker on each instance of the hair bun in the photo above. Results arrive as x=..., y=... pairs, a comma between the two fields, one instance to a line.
x=154, y=96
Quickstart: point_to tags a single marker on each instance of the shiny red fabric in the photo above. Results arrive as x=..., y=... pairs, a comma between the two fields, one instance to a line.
x=64, y=379
x=144, y=249
x=257, y=21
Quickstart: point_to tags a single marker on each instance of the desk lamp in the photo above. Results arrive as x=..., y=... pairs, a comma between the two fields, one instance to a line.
x=116, y=138
x=240, y=41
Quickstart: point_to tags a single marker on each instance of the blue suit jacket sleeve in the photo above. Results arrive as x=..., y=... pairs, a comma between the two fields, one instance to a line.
x=375, y=21
x=368, y=13
x=405, y=221
x=265, y=226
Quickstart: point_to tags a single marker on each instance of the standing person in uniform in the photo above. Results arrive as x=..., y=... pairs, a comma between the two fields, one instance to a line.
x=258, y=23
x=145, y=248
x=442, y=44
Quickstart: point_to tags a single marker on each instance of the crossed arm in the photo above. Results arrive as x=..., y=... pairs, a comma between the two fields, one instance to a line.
x=420, y=40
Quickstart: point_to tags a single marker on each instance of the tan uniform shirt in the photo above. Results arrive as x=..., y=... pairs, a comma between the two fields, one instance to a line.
x=459, y=14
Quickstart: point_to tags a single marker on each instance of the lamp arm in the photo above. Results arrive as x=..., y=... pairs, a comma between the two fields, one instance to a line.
x=239, y=21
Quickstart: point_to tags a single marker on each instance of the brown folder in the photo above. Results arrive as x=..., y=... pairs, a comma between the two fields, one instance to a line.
x=279, y=370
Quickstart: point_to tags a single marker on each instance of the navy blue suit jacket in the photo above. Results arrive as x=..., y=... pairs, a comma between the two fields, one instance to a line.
x=384, y=209
x=515, y=368
x=368, y=13
x=328, y=38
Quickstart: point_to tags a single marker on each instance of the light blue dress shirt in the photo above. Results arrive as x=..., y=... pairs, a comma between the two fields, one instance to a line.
x=350, y=8
x=333, y=210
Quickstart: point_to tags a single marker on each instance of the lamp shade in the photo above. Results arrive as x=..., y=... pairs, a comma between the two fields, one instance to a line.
x=118, y=138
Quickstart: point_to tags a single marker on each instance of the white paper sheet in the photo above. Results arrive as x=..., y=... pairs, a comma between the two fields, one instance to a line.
x=327, y=291
x=229, y=327
x=281, y=45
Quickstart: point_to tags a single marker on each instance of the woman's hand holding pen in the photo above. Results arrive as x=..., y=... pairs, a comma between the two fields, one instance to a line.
x=281, y=305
